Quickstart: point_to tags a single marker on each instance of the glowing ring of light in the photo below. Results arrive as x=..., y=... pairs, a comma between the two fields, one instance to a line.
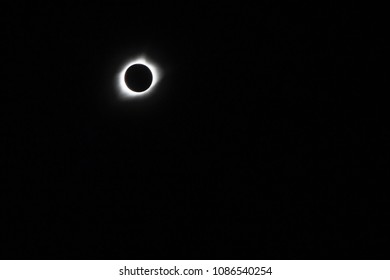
x=156, y=75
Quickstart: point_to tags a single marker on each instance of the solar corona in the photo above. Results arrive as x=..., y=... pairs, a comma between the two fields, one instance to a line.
x=138, y=77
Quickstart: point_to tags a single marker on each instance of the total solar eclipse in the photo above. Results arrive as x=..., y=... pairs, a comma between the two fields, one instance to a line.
x=138, y=77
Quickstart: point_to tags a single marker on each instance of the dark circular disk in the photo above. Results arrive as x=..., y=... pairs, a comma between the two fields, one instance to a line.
x=138, y=77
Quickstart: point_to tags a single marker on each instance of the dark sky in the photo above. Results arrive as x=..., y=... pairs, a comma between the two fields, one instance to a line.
x=254, y=144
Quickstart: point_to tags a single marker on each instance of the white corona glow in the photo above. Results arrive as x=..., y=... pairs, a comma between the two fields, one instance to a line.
x=125, y=91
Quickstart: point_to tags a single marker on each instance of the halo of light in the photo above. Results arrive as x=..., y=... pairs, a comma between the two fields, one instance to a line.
x=127, y=92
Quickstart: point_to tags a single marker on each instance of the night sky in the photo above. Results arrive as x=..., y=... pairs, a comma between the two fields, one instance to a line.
x=265, y=137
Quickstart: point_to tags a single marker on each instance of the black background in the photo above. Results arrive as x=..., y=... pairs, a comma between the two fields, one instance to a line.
x=264, y=139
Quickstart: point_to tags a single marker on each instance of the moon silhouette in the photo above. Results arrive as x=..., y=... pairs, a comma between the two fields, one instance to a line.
x=138, y=77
